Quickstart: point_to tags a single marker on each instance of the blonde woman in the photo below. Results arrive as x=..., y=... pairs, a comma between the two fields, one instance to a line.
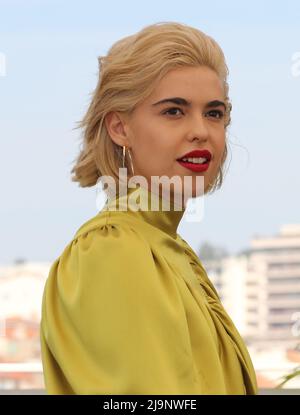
x=128, y=307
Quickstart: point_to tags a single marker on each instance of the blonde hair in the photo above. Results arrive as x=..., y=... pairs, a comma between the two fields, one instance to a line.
x=127, y=75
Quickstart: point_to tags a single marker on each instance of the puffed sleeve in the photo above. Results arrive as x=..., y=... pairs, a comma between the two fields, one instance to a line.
x=112, y=321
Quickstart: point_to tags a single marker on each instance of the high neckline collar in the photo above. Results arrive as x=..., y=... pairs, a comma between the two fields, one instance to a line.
x=144, y=204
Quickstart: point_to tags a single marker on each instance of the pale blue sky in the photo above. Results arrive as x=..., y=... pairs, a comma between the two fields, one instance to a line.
x=51, y=50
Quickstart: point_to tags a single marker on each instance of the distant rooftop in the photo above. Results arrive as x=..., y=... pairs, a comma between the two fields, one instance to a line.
x=290, y=230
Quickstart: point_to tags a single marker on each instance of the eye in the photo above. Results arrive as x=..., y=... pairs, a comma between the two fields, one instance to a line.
x=172, y=109
x=220, y=114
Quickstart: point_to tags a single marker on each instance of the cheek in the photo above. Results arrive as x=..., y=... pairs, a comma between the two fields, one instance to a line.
x=149, y=154
x=220, y=144
x=154, y=148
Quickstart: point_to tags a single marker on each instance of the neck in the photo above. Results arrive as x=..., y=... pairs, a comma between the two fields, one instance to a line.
x=161, y=210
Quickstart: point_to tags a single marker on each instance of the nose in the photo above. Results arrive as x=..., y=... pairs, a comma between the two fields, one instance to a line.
x=199, y=129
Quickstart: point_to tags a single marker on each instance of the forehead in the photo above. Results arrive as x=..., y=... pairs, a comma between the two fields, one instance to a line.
x=193, y=83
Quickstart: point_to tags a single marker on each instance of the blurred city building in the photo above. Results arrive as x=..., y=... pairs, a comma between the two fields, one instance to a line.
x=21, y=289
x=260, y=290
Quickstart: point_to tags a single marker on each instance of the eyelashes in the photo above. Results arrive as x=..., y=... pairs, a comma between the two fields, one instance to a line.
x=218, y=112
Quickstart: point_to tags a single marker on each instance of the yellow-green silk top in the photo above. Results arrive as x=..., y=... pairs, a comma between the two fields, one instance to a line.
x=129, y=309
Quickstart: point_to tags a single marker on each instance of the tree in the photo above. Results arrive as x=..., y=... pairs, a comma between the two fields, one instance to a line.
x=208, y=251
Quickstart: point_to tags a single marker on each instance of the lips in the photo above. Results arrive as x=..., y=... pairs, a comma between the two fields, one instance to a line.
x=196, y=167
x=197, y=153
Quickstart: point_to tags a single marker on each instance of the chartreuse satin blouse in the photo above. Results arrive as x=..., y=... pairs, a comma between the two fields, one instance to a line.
x=129, y=309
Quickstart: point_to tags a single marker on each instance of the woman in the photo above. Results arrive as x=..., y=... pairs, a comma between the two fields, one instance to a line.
x=128, y=307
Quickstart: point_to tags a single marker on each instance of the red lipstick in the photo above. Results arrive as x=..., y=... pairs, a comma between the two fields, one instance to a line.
x=196, y=167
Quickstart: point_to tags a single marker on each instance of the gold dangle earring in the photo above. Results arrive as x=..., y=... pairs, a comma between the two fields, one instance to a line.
x=124, y=148
x=124, y=152
x=132, y=169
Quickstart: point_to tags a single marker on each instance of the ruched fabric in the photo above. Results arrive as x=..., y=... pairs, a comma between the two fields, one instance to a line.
x=129, y=309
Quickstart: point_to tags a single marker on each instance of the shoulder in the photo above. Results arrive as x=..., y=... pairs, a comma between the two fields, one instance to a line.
x=103, y=246
x=103, y=260
x=109, y=233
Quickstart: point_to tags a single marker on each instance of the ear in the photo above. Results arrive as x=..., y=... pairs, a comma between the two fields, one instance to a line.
x=116, y=126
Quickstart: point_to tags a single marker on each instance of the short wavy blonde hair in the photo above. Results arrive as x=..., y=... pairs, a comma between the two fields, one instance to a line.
x=128, y=74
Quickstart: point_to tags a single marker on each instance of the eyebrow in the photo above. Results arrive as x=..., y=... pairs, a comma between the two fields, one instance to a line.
x=184, y=102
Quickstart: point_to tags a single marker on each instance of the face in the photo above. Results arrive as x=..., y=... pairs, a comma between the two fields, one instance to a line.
x=158, y=134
